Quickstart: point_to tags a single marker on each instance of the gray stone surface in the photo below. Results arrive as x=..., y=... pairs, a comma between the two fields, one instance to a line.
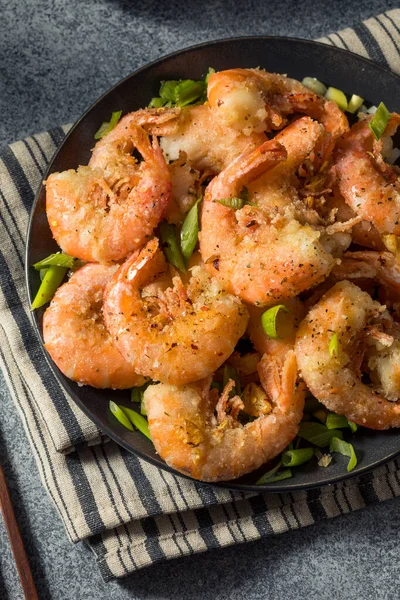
x=56, y=58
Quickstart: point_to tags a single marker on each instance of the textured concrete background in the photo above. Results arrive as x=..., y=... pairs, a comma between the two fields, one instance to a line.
x=56, y=58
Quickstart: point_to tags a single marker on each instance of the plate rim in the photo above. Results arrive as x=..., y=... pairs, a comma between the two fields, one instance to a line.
x=161, y=464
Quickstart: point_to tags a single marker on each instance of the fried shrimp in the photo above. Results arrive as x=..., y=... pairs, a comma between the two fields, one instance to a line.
x=208, y=144
x=369, y=185
x=367, y=343
x=255, y=100
x=102, y=212
x=76, y=337
x=257, y=256
x=199, y=434
x=174, y=333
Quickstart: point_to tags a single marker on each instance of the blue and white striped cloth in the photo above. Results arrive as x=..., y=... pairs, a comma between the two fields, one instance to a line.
x=131, y=513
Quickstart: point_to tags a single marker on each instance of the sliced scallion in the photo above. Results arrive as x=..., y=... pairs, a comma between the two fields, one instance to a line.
x=137, y=420
x=317, y=434
x=269, y=473
x=334, y=421
x=136, y=394
x=337, y=96
x=170, y=246
x=211, y=71
x=334, y=346
x=279, y=476
x=355, y=103
x=120, y=415
x=379, y=121
x=268, y=320
x=235, y=203
x=51, y=281
x=294, y=458
x=314, y=85
x=157, y=102
x=353, y=426
x=56, y=260
x=346, y=449
x=106, y=127
x=320, y=414
x=190, y=231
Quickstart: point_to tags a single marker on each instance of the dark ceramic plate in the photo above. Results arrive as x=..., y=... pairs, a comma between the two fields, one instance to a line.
x=297, y=58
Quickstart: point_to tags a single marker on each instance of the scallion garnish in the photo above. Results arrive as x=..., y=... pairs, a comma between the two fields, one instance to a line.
x=268, y=320
x=337, y=96
x=269, y=473
x=137, y=420
x=280, y=476
x=56, y=260
x=321, y=414
x=190, y=231
x=235, y=203
x=355, y=103
x=346, y=449
x=294, y=458
x=379, y=121
x=314, y=85
x=120, y=415
x=106, y=127
x=170, y=245
x=334, y=346
x=50, y=282
x=353, y=426
x=334, y=421
x=318, y=434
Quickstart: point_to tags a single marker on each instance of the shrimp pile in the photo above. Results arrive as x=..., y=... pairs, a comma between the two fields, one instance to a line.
x=298, y=208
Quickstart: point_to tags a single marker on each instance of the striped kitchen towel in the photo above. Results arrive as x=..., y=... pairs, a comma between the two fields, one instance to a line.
x=131, y=513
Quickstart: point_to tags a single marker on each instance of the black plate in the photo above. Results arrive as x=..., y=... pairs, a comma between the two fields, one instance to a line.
x=297, y=58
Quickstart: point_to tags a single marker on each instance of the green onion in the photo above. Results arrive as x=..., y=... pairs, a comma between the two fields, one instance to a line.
x=51, y=281
x=318, y=434
x=334, y=421
x=137, y=420
x=286, y=474
x=268, y=320
x=56, y=260
x=190, y=231
x=269, y=473
x=355, y=103
x=188, y=91
x=294, y=458
x=337, y=96
x=314, y=85
x=235, y=203
x=334, y=346
x=143, y=410
x=379, y=121
x=170, y=245
x=120, y=415
x=320, y=414
x=346, y=449
x=136, y=394
x=107, y=127
x=231, y=373
x=211, y=71
x=156, y=103
x=182, y=92
x=42, y=273
x=353, y=426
